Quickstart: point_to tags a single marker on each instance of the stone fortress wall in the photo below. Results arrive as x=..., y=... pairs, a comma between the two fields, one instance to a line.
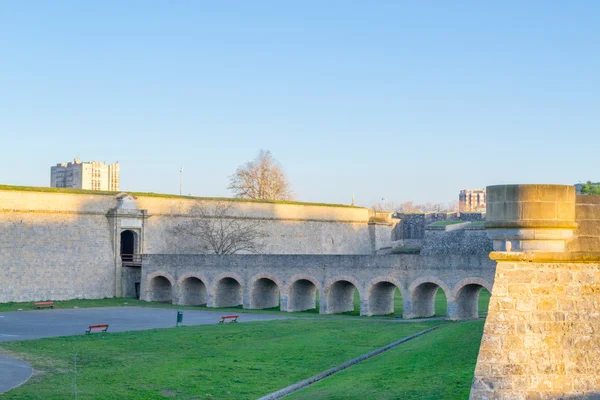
x=58, y=245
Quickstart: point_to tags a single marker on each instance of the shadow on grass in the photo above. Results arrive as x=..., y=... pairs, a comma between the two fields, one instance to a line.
x=440, y=306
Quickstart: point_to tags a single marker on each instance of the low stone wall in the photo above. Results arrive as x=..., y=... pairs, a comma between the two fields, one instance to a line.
x=463, y=241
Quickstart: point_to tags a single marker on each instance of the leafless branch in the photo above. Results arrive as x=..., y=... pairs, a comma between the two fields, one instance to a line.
x=218, y=231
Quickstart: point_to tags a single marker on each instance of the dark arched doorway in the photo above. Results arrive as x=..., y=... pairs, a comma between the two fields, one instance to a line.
x=127, y=243
x=131, y=261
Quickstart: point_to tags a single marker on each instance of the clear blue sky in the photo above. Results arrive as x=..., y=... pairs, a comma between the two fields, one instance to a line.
x=381, y=99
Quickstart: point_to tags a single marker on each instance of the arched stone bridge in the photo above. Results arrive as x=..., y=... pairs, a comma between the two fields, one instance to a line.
x=293, y=282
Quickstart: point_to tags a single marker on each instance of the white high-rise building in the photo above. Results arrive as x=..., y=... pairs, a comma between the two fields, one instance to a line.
x=472, y=200
x=92, y=175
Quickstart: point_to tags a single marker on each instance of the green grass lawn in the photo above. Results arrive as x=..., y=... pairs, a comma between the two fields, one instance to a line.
x=447, y=222
x=440, y=305
x=237, y=361
x=438, y=365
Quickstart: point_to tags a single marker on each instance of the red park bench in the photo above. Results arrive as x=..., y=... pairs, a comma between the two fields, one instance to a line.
x=233, y=318
x=44, y=304
x=100, y=327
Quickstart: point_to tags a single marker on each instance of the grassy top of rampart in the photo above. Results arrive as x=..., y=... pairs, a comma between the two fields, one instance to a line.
x=162, y=195
x=447, y=222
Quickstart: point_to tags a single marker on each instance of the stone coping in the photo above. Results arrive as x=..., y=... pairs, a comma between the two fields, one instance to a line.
x=532, y=223
x=546, y=256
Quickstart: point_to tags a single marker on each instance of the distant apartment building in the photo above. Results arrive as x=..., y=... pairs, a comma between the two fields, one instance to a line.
x=92, y=175
x=471, y=200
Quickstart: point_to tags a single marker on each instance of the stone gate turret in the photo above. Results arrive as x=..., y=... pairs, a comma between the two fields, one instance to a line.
x=542, y=334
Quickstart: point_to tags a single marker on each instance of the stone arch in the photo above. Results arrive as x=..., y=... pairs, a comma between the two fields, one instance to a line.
x=227, y=289
x=471, y=281
x=193, y=290
x=340, y=294
x=380, y=295
x=159, y=287
x=348, y=278
x=422, y=296
x=286, y=288
x=129, y=240
x=302, y=292
x=264, y=291
x=466, y=298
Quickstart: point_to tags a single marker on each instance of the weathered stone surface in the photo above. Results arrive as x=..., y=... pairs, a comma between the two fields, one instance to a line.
x=61, y=246
x=551, y=338
x=542, y=332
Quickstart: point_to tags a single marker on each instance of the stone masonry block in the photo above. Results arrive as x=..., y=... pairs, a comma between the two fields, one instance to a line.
x=589, y=228
x=565, y=211
x=538, y=210
x=587, y=199
x=522, y=193
x=587, y=211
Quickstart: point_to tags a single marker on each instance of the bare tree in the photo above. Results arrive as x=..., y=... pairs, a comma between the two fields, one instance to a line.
x=261, y=178
x=385, y=206
x=452, y=206
x=219, y=232
x=432, y=207
x=411, y=207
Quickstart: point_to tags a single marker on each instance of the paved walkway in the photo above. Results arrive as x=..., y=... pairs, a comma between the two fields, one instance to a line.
x=24, y=325
x=13, y=372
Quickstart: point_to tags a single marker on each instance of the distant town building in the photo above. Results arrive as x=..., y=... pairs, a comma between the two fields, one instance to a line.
x=471, y=200
x=91, y=175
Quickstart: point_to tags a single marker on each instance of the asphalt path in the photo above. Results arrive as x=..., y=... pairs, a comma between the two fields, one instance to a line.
x=13, y=372
x=25, y=325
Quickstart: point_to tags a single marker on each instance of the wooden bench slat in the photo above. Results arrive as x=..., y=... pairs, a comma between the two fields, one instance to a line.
x=104, y=328
x=232, y=317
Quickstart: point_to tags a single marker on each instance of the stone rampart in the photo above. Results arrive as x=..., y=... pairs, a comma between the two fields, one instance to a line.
x=56, y=245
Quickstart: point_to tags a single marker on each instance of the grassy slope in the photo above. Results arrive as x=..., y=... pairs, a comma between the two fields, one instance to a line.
x=436, y=366
x=240, y=361
x=440, y=305
x=163, y=195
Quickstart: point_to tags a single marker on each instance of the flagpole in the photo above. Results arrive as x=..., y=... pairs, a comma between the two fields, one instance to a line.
x=181, y=181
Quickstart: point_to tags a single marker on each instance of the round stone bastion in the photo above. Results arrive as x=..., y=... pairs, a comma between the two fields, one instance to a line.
x=530, y=218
